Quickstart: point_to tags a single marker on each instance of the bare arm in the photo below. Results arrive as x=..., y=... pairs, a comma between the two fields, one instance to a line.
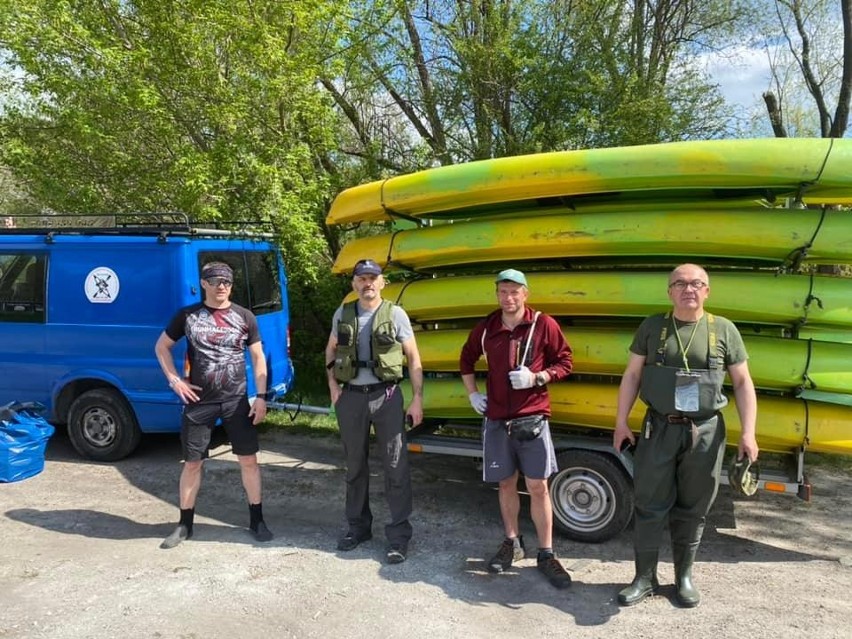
x=334, y=389
x=746, y=409
x=415, y=374
x=184, y=390
x=628, y=391
x=258, y=366
x=469, y=382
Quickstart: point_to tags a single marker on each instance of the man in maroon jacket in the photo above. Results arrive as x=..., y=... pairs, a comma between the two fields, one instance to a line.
x=525, y=350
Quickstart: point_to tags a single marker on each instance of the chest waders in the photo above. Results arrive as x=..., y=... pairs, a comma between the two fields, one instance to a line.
x=677, y=465
x=659, y=380
x=386, y=354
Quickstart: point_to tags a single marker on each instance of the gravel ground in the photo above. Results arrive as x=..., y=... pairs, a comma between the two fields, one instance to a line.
x=80, y=558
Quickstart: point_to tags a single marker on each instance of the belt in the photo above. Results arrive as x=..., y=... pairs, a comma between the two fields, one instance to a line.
x=675, y=418
x=366, y=388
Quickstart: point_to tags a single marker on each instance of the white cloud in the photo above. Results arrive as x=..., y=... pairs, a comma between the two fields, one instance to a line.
x=742, y=73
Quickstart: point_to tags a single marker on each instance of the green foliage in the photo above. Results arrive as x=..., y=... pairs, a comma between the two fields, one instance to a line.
x=502, y=77
x=207, y=107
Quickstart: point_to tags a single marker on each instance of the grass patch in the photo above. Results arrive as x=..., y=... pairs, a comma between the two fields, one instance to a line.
x=301, y=423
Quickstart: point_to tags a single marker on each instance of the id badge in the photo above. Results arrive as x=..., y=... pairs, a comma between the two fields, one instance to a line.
x=686, y=391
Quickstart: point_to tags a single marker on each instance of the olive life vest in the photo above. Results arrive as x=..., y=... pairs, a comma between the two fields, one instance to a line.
x=386, y=355
x=657, y=387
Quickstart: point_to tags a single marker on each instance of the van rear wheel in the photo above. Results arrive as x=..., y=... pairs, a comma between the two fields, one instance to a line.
x=102, y=426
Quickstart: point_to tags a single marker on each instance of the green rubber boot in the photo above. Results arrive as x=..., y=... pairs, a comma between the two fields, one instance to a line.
x=645, y=582
x=684, y=557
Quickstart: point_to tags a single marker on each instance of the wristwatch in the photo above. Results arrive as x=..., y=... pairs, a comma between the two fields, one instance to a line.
x=540, y=379
x=267, y=396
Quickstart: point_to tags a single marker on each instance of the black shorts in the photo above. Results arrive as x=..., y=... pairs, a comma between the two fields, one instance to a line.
x=199, y=420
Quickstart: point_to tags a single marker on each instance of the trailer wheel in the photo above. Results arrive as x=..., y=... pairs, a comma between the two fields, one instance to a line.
x=592, y=496
x=102, y=426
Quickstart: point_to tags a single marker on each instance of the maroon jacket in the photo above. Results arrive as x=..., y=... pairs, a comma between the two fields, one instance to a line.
x=503, y=350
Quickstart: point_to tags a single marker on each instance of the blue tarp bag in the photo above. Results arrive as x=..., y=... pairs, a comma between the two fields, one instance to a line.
x=23, y=438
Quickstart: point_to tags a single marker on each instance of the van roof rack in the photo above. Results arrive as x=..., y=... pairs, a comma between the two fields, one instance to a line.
x=159, y=224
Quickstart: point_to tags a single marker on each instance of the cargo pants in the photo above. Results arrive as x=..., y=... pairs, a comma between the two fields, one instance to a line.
x=383, y=408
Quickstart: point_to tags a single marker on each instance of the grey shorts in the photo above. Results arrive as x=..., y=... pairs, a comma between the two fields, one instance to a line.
x=502, y=456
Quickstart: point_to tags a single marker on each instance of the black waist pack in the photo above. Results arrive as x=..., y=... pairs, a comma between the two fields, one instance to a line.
x=525, y=428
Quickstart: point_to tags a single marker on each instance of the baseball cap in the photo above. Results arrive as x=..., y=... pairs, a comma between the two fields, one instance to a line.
x=511, y=275
x=744, y=476
x=367, y=267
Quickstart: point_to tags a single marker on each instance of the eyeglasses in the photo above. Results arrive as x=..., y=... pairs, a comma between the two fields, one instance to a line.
x=682, y=284
x=219, y=281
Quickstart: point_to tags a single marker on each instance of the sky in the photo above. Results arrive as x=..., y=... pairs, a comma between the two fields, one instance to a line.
x=743, y=75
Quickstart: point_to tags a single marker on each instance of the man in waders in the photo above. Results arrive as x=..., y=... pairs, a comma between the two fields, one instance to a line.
x=364, y=359
x=677, y=366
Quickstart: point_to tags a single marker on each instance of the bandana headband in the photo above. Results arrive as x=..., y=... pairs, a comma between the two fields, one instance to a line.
x=217, y=271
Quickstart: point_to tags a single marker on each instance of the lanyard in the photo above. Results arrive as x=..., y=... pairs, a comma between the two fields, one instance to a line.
x=683, y=350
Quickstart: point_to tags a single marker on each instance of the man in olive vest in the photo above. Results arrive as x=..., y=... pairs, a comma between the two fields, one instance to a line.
x=677, y=366
x=364, y=358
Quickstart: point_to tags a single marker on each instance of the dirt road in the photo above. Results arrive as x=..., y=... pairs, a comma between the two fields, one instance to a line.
x=80, y=558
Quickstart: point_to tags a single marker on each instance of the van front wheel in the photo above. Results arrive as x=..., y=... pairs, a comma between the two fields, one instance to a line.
x=102, y=426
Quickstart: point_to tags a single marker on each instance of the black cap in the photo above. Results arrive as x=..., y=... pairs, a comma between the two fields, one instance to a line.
x=367, y=267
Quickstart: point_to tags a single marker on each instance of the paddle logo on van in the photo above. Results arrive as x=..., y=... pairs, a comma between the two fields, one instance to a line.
x=102, y=285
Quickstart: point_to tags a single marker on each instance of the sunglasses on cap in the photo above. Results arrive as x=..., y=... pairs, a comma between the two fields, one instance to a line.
x=219, y=281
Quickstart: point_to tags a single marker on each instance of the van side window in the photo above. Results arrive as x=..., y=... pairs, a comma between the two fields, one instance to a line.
x=256, y=283
x=22, y=286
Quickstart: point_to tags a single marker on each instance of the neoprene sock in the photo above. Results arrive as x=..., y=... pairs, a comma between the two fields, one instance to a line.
x=187, y=516
x=255, y=515
x=182, y=531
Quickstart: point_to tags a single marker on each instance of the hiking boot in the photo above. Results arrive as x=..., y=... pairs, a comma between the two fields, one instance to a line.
x=351, y=539
x=178, y=535
x=397, y=553
x=261, y=533
x=506, y=554
x=554, y=571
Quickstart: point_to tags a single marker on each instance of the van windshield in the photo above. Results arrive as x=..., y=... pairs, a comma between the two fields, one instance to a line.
x=256, y=283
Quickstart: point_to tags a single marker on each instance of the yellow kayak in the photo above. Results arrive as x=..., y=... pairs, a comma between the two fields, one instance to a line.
x=783, y=424
x=683, y=234
x=775, y=363
x=817, y=167
x=743, y=297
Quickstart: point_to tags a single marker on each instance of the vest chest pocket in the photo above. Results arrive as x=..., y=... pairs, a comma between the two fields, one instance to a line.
x=387, y=352
x=345, y=365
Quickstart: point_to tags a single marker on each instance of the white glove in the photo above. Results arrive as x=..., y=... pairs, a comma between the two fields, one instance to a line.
x=522, y=377
x=479, y=402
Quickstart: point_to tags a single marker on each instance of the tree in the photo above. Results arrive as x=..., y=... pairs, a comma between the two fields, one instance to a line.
x=207, y=107
x=817, y=35
x=210, y=107
x=474, y=79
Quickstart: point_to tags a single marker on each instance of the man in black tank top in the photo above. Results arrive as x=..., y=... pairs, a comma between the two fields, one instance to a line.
x=677, y=366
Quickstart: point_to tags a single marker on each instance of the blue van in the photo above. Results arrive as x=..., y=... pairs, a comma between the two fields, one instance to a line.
x=82, y=306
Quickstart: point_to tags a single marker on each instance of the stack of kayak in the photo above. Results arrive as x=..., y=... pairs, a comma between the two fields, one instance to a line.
x=597, y=231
